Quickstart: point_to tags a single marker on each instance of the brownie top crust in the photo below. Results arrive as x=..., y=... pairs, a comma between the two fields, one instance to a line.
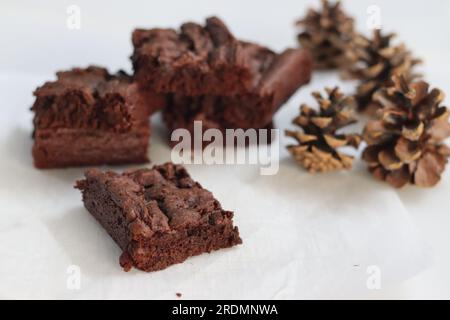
x=201, y=51
x=89, y=98
x=162, y=199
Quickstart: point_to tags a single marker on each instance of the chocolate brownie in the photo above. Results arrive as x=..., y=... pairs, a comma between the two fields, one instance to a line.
x=159, y=216
x=198, y=60
x=89, y=117
x=255, y=109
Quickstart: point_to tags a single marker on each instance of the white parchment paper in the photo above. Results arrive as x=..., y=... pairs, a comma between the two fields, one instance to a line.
x=304, y=236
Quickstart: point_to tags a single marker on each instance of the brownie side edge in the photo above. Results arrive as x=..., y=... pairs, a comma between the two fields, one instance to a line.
x=66, y=147
x=100, y=203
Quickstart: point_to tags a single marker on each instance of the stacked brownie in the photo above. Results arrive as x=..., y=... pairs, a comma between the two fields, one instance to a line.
x=212, y=77
x=89, y=117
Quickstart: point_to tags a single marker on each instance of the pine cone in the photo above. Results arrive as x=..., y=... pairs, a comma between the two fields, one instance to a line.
x=327, y=34
x=377, y=61
x=406, y=142
x=318, y=140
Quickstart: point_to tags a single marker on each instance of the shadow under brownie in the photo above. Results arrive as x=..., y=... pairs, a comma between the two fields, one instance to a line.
x=159, y=216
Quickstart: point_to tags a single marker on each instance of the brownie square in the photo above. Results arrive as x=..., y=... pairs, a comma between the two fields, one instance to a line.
x=89, y=117
x=159, y=216
x=254, y=109
x=198, y=60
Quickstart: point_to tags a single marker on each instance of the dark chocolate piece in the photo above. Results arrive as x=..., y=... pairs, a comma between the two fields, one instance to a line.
x=89, y=117
x=159, y=216
x=198, y=60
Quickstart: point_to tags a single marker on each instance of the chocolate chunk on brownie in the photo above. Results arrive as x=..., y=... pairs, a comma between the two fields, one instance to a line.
x=198, y=60
x=89, y=117
x=255, y=109
x=159, y=216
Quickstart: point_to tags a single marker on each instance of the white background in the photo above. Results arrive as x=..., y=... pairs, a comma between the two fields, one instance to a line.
x=303, y=236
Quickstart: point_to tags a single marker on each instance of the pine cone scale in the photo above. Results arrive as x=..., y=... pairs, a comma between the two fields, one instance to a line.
x=429, y=170
x=398, y=178
x=389, y=160
x=413, y=131
x=407, y=151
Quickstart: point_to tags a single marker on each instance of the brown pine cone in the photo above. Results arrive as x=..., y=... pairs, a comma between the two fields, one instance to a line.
x=327, y=34
x=406, y=143
x=318, y=140
x=377, y=61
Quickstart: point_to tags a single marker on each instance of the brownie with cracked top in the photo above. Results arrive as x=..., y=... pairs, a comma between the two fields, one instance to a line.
x=90, y=117
x=159, y=216
x=198, y=60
